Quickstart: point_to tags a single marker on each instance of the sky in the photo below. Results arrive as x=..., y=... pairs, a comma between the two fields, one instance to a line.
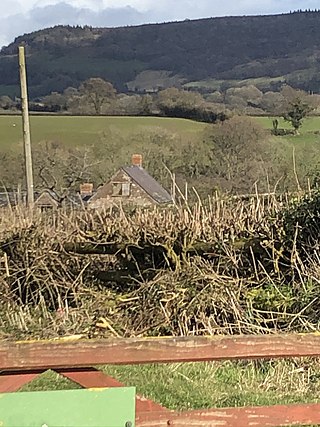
x=23, y=16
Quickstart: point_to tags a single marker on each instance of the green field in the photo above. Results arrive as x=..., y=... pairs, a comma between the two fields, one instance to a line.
x=309, y=133
x=71, y=130
x=216, y=84
x=87, y=130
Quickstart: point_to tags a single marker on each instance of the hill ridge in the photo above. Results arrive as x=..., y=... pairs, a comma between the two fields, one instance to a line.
x=221, y=48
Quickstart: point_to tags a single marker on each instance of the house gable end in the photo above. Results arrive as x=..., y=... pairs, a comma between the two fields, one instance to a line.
x=46, y=200
x=130, y=185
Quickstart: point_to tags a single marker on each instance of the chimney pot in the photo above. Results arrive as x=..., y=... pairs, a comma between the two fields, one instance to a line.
x=86, y=189
x=137, y=160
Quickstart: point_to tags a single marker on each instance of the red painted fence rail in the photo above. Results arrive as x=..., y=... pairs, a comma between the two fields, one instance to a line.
x=20, y=362
x=29, y=355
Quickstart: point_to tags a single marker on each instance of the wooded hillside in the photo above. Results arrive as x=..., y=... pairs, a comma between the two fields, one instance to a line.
x=283, y=47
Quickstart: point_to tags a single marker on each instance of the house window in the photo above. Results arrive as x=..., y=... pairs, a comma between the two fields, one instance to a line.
x=121, y=189
x=125, y=188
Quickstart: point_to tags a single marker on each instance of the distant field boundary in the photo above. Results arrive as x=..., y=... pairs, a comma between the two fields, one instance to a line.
x=66, y=114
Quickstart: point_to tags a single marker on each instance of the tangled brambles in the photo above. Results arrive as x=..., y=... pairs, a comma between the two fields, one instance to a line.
x=226, y=266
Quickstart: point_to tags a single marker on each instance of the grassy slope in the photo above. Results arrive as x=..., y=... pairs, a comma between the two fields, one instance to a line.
x=215, y=84
x=309, y=134
x=310, y=124
x=86, y=130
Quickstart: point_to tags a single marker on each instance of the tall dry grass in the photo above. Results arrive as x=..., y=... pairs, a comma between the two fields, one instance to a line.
x=222, y=268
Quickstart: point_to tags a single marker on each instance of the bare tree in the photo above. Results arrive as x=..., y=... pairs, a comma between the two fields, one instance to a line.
x=238, y=153
x=97, y=92
x=61, y=170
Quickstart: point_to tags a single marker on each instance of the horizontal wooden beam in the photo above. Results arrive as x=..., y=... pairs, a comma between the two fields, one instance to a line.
x=77, y=353
x=263, y=416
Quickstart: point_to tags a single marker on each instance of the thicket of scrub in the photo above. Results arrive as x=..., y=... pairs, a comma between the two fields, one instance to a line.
x=237, y=156
x=221, y=266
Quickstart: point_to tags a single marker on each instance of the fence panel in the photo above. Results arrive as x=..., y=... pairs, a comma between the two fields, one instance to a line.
x=74, y=357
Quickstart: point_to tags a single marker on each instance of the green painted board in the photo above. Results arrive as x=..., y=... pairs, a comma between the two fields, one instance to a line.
x=105, y=407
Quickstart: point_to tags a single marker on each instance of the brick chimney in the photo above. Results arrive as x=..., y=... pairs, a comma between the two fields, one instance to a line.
x=136, y=160
x=86, y=189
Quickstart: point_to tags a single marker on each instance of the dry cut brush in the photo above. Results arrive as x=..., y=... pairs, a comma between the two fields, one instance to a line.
x=222, y=266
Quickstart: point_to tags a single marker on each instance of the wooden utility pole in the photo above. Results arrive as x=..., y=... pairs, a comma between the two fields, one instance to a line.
x=26, y=126
x=173, y=192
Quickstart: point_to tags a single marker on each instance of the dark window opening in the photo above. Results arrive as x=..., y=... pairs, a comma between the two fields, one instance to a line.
x=121, y=189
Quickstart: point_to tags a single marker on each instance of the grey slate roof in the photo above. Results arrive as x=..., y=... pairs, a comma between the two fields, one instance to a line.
x=148, y=184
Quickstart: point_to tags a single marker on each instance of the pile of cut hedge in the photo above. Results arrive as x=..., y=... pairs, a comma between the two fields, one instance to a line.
x=226, y=266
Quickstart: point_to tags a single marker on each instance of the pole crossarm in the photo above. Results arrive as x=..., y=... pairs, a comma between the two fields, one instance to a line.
x=77, y=353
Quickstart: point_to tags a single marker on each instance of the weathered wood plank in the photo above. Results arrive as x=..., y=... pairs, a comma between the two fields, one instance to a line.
x=22, y=356
x=264, y=416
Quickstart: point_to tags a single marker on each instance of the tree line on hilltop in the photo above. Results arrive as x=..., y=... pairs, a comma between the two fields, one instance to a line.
x=230, y=48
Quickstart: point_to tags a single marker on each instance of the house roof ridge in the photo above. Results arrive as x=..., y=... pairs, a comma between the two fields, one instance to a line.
x=148, y=183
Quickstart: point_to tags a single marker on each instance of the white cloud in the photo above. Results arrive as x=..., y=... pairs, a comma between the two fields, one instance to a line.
x=10, y=7
x=206, y=6
x=21, y=16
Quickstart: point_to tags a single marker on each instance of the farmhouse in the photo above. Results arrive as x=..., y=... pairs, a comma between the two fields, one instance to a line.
x=46, y=201
x=130, y=185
